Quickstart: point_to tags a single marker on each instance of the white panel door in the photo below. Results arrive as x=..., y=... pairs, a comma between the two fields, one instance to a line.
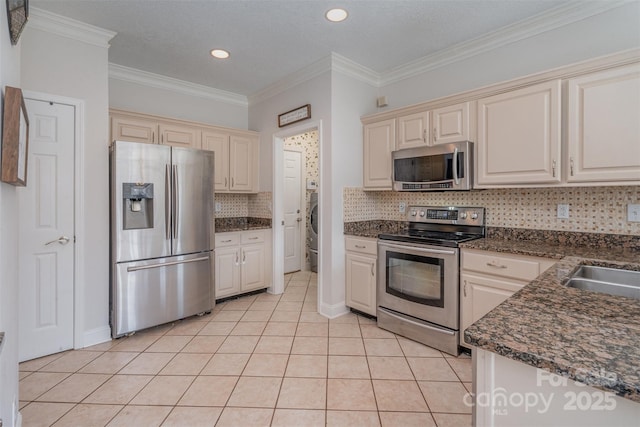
x=46, y=232
x=292, y=210
x=379, y=142
x=241, y=164
x=227, y=271
x=253, y=259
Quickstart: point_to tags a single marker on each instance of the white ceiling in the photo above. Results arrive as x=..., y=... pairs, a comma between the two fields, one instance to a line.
x=270, y=39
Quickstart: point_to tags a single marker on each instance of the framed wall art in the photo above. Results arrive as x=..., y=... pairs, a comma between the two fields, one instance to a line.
x=293, y=116
x=17, y=14
x=15, y=138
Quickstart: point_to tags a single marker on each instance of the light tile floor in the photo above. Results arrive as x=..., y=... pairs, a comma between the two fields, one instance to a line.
x=260, y=360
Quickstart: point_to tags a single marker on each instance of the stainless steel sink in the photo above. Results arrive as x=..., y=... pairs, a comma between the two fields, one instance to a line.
x=612, y=281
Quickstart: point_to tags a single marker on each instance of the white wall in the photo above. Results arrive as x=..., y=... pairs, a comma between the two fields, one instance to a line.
x=62, y=66
x=338, y=101
x=615, y=30
x=350, y=99
x=9, y=75
x=140, y=98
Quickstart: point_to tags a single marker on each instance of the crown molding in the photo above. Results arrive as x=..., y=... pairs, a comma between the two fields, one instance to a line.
x=352, y=69
x=332, y=62
x=66, y=27
x=132, y=75
x=307, y=73
x=526, y=28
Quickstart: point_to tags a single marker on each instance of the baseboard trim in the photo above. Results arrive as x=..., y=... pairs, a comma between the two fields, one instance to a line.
x=333, y=311
x=95, y=336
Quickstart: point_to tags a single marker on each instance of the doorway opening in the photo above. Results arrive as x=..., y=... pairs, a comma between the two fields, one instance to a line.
x=295, y=242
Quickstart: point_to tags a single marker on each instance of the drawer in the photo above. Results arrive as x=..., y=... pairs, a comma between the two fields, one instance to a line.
x=253, y=236
x=361, y=245
x=227, y=239
x=503, y=265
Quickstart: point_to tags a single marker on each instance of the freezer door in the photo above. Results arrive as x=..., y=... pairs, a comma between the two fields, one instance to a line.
x=192, y=180
x=140, y=212
x=153, y=292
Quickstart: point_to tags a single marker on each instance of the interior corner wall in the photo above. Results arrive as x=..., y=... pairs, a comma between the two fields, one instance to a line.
x=263, y=116
x=141, y=98
x=61, y=66
x=609, y=32
x=9, y=76
x=350, y=99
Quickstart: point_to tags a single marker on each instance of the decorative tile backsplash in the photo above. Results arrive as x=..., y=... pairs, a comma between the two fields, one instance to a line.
x=244, y=205
x=591, y=209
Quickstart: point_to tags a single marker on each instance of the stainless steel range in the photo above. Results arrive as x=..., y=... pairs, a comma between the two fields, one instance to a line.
x=418, y=274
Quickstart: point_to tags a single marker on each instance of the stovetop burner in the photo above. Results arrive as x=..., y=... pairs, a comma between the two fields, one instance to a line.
x=441, y=226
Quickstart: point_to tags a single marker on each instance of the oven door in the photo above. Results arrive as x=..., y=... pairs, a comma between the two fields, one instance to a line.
x=419, y=281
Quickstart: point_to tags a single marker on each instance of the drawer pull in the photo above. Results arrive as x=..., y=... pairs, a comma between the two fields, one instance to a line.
x=496, y=265
x=253, y=238
x=225, y=241
x=360, y=246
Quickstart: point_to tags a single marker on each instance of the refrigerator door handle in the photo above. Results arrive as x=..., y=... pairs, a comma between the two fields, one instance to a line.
x=167, y=203
x=165, y=264
x=175, y=202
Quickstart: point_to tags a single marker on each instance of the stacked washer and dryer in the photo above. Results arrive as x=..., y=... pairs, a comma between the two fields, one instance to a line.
x=313, y=232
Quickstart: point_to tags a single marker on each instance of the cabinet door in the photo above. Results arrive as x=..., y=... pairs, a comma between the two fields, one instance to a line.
x=451, y=124
x=379, y=142
x=219, y=144
x=241, y=163
x=361, y=283
x=604, y=126
x=519, y=136
x=180, y=136
x=480, y=295
x=133, y=129
x=414, y=130
x=227, y=274
x=253, y=267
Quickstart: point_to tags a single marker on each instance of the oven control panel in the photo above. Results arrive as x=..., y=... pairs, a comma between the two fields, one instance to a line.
x=446, y=215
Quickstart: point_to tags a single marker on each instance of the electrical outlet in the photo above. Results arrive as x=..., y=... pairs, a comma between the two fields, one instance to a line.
x=218, y=206
x=402, y=206
x=563, y=211
x=633, y=213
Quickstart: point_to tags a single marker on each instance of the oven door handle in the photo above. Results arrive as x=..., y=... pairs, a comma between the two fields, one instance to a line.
x=413, y=248
x=422, y=325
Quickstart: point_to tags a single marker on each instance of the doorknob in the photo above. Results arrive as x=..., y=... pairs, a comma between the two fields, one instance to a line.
x=63, y=240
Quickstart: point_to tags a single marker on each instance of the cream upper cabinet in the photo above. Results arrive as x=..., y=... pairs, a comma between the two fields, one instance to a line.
x=236, y=161
x=603, y=135
x=178, y=135
x=452, y=124
x=413, y=130
x=379, y=142
x=243, y=163
x=218, y=142
x=519, y=136
x=134, y=129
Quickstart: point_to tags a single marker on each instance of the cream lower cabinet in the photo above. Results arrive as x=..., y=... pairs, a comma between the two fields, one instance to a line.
x=242, y=261
x=519, y=137
x=361, y=273
x=489, y=278
x=603, y=126
x=379, y=142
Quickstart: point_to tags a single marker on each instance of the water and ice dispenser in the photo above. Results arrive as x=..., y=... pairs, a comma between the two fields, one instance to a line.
x=138, y=205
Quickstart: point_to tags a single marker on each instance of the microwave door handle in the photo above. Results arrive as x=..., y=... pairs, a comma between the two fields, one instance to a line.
x=455, y=166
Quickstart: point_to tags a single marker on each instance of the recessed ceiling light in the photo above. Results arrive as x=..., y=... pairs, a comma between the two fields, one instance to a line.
x=220, y=53
x=336, y=15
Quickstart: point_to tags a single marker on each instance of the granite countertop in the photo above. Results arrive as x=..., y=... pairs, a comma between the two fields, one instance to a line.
x=586, y=336
x=224, y=225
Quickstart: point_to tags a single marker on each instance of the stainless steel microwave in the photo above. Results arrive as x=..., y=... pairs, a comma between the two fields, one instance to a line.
x=438, y=168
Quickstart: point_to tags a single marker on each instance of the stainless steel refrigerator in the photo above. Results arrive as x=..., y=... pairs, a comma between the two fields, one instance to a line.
x=161, y=234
